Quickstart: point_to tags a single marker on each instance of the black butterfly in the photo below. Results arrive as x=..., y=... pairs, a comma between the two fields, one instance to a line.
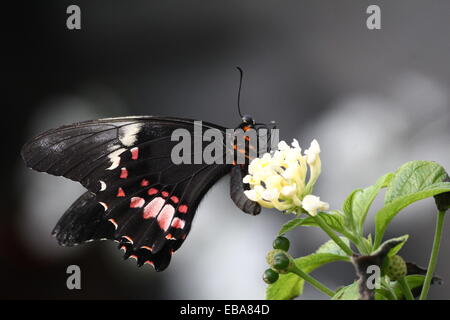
x=136, y=195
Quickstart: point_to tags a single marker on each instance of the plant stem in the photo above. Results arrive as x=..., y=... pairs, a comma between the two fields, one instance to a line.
x=315, y=283
x=389, y=288
x=405, y=288
x=325, y=227
x=434, y=255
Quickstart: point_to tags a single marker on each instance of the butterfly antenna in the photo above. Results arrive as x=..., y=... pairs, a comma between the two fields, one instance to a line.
x=239, y=91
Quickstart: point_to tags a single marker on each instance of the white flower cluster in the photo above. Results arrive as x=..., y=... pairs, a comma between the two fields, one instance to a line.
x=278, y=180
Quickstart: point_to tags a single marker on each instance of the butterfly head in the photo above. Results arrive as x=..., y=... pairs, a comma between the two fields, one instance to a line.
x=248, y=120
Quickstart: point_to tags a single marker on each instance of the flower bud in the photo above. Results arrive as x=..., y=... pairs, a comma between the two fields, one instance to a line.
x=270, y=276
x=281, y=243
x=279, y=261
x=397, y=268
x=443, y=199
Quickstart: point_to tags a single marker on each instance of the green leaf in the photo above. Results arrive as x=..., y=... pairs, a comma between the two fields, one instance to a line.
x=335, y=219
x=388, y=212
x=413, y=177
x=350, y=292
x=290, y=285
x=413, y=181
x=397, y=248
x=365, y=246
x=357, y=204
x=331, y=247
x=291, y=225
x=414, y=281
x=382, y=294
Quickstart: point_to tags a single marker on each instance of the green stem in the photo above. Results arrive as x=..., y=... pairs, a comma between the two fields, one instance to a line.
x=405, y=288
x=434, y=255
x=315, y=283
x=389, y=288
x=325, y=227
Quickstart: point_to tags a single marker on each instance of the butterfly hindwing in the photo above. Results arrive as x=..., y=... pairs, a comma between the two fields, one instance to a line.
x=83, y=221
x=137, y=196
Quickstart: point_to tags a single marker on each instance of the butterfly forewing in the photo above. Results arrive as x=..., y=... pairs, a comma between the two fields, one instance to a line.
x=137, y=195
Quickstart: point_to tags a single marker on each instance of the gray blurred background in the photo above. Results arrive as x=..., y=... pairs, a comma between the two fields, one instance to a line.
x=373, y=100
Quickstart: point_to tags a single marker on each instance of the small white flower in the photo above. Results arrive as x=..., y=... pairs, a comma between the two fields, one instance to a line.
x=282, y=146
x=312, y=204
x=313, y=152
x=270, y=194
x=247, y=179
x=251, y=194
x=288, y=191
x=277, y=180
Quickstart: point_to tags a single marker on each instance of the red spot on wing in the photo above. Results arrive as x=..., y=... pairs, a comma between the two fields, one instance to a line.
x=166, y=216
x=123, y=173
x=165, y=194
x=174, y=199
x=128, y=238
x=150, y=263
x=152, y=191
x=152, y=209
x=134, y=153
x=133, y=257
x=177, y=223
x=120, y=193
x=114, y=223
x=144, y=182
x=147, y=248
x=169, y=236
x=183, y=208
x=136, y=202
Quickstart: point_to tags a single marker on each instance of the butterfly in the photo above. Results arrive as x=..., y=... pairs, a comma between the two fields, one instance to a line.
x=135, y=194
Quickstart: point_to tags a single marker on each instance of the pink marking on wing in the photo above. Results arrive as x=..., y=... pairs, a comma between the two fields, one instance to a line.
x=183, y=208
x=174, y=199
x=123, y=248
x=165, y=194
x=165, y=217
x=147, y=248
x=149, y=263
x=152, y=191
x=152, y=209
x=114, y=223
x=169, y=236
x=104, y=205
x=120, y=193
x=137, y=202
x=133, y=257
x=123, y=173
x=144, y=183
x=177, y=223
x=128, y=238
x=134, y=153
